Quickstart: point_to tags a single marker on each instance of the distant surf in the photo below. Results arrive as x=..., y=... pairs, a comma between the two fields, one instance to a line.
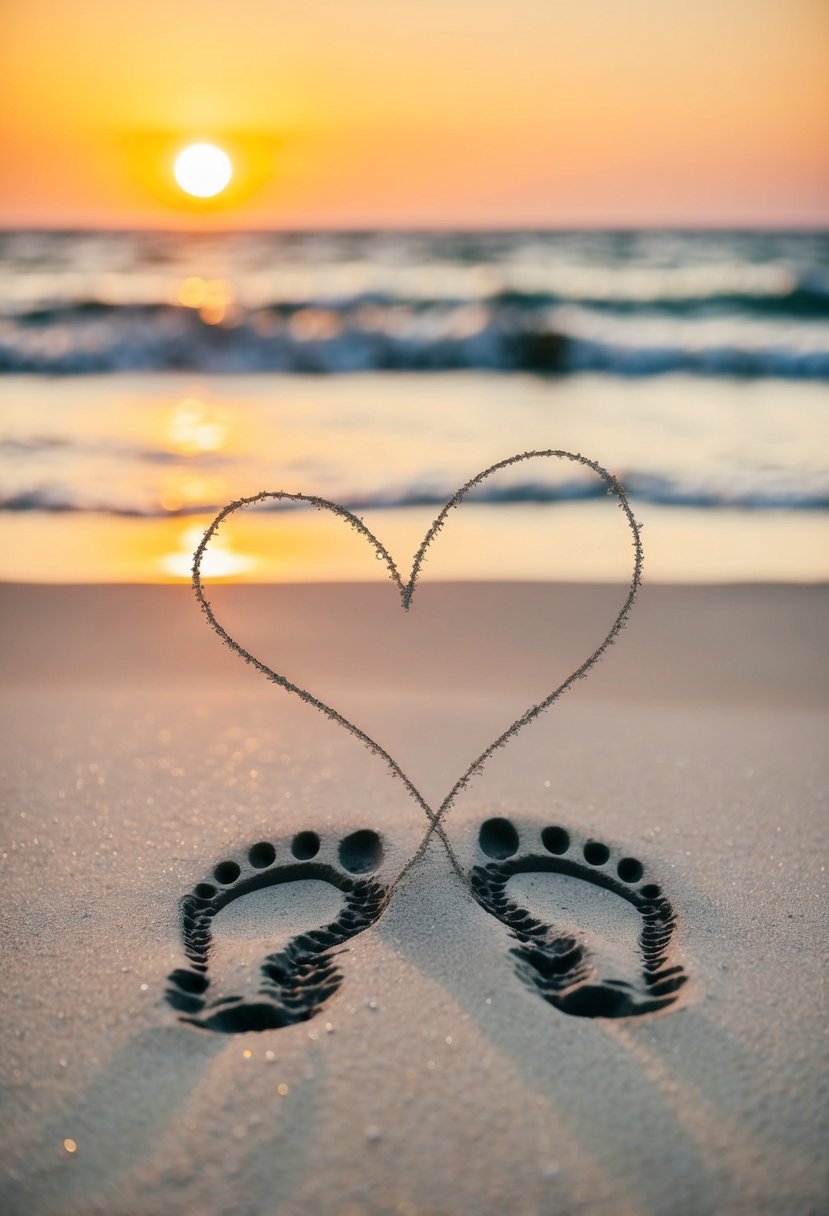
x=627, y=304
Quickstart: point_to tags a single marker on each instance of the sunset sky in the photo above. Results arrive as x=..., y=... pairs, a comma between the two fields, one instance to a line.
x=341, y=113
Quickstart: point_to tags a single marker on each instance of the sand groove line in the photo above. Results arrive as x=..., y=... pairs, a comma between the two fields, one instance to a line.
x=406, y=591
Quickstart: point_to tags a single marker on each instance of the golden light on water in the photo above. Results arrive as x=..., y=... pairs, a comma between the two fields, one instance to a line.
x=194, y=428
x=212, y=298
x=202, y=170
x=219, y=560
x=185, y=490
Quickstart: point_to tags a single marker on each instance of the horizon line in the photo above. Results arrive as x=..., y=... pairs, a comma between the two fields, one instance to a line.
x=817, y=229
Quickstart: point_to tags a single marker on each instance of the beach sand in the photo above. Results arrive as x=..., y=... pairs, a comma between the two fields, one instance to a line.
x=138, y=754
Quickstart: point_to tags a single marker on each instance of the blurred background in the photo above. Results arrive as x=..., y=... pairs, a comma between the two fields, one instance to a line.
x=427, y=239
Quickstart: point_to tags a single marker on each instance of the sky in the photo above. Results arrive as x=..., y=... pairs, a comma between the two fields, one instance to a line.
x=462, y=113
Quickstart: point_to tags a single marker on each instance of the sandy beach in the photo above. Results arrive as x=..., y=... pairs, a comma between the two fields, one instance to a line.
x=140, y=758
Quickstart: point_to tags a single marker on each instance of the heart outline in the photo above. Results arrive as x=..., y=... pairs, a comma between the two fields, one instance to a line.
x=407, y=590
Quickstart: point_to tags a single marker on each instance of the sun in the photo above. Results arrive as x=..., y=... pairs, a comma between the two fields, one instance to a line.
x=203, y=170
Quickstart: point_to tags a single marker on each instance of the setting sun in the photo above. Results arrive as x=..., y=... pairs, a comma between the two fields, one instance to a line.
x=203, y=170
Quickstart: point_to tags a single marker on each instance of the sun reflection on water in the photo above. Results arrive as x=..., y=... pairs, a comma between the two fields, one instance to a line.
x=181, y=492
x=219, y=560
x=213, y=299
x=193, y=427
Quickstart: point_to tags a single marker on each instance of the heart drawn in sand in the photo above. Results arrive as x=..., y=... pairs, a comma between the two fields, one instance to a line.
x=406, y=591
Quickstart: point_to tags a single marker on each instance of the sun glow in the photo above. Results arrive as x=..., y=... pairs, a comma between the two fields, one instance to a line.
x=203, y=170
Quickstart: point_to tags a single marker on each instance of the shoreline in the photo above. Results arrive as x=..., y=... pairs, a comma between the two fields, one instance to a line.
x=564, y=542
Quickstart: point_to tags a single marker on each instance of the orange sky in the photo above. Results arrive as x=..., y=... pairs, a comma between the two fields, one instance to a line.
x=346, y=113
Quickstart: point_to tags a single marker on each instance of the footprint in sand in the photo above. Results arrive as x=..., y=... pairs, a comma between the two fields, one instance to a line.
x=610, y=954
x=235, y=916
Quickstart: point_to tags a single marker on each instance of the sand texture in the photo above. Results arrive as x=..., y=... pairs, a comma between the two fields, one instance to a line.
x=481, y=1036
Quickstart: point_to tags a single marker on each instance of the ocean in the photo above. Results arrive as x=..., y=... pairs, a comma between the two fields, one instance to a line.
x=148, y=378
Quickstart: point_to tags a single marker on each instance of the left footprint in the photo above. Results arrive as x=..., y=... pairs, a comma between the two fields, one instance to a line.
x=293, y=983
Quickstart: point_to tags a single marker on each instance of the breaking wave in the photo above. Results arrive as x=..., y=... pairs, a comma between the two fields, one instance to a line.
x=506, y=332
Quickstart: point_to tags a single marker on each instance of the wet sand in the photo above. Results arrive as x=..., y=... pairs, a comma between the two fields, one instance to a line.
x=138, y=754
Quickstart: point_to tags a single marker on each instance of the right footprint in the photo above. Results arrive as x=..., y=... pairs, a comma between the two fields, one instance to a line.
x=575, y=969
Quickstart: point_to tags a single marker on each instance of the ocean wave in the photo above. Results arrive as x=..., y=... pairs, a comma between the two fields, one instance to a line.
x=369, y=333
x=641, y=487
x=770, y=289
x=797, y=301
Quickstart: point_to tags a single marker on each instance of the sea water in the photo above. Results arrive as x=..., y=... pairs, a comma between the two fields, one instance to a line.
x=149, y=378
